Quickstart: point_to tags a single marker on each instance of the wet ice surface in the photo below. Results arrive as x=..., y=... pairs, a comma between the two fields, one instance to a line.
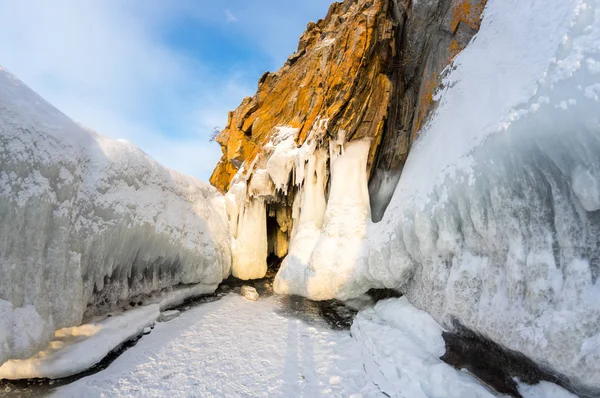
x=203, y=338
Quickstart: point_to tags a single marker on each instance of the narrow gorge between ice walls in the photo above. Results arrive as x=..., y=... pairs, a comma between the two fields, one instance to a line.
x=444, y=151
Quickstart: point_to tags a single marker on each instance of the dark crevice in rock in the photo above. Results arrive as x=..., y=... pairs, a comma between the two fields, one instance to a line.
x=427, y=38
x=383, y=294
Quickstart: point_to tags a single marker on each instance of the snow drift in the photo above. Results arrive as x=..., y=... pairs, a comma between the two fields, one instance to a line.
x=401, y=348
x=88, y=224
x=494, y=223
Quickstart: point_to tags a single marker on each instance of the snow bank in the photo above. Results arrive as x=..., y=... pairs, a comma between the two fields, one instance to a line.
x=178, y=295
x=76, y=349
x=401, y=347
x=86, y=223
x=544, y=390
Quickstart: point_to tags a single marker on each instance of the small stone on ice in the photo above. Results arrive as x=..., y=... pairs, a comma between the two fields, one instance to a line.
x=249, y=293
x=167, y=316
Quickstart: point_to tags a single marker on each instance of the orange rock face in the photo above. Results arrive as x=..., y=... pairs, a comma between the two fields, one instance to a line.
x=339, y=74
x=369, y=68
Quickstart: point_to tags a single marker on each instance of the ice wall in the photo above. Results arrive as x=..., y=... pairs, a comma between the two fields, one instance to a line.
x=87, y=223
x=495, y=220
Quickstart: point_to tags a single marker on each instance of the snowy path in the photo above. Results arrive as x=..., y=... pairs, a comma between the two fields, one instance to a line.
x=282, y=346
x=234, y=347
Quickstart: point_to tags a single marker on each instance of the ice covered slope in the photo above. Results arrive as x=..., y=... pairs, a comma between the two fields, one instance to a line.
x=88, y=223
x=495, y=222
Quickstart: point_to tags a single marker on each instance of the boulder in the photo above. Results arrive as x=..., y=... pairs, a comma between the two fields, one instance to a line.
x=167, y=316
x=249, y=293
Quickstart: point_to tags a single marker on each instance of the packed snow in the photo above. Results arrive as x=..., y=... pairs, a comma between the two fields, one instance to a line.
x=401, y=347
x=234, y=347
x=88, y=224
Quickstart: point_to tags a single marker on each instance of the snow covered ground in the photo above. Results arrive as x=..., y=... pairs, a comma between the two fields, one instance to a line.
x=234, y=347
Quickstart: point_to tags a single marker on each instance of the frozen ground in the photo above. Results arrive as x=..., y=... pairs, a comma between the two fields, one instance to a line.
x=283, y=346
x=233, y=347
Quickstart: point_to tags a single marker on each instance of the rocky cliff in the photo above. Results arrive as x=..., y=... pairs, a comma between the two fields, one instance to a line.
x=367, y=71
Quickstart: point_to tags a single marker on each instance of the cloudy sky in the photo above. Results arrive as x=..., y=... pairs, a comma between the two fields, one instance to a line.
x=160, y=73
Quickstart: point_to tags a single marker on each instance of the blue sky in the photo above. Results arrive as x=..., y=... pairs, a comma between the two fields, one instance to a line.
x=160, y=73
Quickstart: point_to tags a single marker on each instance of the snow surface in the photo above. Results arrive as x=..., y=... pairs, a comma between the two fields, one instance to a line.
x=401, y=347
x=76, y=349
x=234, y=347
x=88, y=223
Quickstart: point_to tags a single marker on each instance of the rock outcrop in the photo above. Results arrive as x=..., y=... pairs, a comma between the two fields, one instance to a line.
x=367, y=71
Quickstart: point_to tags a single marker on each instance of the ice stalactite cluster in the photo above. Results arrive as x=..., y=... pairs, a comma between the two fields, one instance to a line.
x=324, y=234
x=88, y=224
x=329, y=238
x=285, y=172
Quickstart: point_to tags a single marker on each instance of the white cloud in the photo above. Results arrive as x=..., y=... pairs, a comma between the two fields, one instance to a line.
x=230, y=16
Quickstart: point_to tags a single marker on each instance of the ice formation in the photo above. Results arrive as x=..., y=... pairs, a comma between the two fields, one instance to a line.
x=330, y=238
x=88, y=224
x=494, y=219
